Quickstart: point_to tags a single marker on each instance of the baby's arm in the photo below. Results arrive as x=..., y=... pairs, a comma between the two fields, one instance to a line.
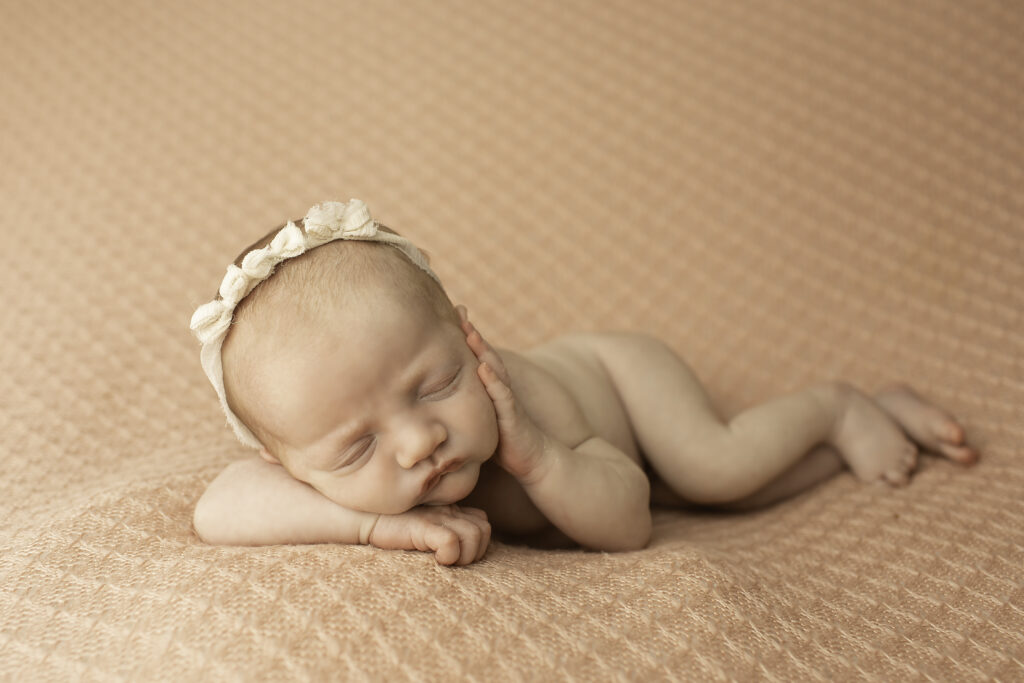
x=592, y=492
x=253, y=502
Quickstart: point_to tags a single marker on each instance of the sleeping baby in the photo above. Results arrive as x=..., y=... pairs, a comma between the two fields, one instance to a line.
x=383, y=416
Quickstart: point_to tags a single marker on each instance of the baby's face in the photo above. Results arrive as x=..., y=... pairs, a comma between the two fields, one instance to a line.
x=389, y=416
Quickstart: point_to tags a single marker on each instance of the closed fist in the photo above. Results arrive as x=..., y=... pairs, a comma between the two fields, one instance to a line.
x=456, y=535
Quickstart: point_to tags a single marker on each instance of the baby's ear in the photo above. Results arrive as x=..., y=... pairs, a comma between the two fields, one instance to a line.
x=266, y=455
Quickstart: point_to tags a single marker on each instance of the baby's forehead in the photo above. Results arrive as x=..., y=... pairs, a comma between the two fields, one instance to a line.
x=364, y=326
x=358, y=360
x=316, y=300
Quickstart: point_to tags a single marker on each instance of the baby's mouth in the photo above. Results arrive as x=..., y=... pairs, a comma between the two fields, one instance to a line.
x=435, y=477
x=430, y=483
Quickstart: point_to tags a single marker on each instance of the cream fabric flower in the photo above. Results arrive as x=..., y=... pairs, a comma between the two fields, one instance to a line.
x=323, y=223
x=234, y=286
x=211, y=320
x=288, y=242
x=325, y=219
x=259, y=263
x=333, y=220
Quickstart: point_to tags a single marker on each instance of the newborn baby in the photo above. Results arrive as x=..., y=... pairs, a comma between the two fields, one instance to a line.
x=383, y=416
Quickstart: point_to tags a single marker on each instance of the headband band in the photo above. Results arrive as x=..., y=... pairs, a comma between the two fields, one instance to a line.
x=325, y=222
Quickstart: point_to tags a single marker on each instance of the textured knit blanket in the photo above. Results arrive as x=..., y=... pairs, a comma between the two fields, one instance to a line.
x=784, y=192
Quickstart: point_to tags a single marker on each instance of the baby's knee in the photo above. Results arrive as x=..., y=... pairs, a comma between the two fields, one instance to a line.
x=647, y=343
x=834, y=393
x=633, y=347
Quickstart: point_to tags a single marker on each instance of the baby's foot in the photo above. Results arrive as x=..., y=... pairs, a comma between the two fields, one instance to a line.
x=871, y=442
x=930, y=427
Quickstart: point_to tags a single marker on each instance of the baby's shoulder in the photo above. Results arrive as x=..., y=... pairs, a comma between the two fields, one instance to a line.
x=545, y=398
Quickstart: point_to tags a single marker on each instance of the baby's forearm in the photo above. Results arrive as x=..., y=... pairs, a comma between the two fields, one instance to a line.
x=255, y=503
x=595, y=494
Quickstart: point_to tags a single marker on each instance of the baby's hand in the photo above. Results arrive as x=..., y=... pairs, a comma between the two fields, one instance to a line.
x=520, y=440
x=456, y=535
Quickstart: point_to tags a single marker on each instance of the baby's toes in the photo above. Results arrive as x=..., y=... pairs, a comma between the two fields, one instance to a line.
x=939, y=429
x=909, y=461
x=952, y=433
x=935, y=427
x=965, y=455
x=897, y=477
x=924, y=422
x=900, y=474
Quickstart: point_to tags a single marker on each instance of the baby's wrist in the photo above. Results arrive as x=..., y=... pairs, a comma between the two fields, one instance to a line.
x=546, y=456
x=366, y=528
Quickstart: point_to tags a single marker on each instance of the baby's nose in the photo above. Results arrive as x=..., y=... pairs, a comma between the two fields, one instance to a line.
x=419, y=442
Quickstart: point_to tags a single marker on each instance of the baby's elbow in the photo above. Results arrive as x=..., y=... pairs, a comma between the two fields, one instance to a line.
x=208, y=523
x=637, y=539
x=642, y=534
x=632, y=536
x=636, y=533
x=215, y=517
x=202, y=522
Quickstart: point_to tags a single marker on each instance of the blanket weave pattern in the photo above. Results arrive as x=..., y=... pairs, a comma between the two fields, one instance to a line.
x=784, y=192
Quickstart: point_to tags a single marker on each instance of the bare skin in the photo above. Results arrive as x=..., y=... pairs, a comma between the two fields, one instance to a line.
x=775, y=450
x=591, y=428
x=929, y=428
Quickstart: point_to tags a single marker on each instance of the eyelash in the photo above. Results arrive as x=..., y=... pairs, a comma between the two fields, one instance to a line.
x=354, y=455
x=448, y=383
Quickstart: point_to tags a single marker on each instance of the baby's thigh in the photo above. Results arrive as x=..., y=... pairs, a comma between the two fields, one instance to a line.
x=662, y=396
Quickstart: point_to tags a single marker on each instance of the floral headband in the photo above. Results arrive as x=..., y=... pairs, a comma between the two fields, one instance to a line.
x=325, y=222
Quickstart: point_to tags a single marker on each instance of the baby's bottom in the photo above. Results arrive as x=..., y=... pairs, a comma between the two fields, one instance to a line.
x=772, y=450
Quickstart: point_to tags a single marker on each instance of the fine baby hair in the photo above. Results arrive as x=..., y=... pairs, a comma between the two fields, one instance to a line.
x=323, y=223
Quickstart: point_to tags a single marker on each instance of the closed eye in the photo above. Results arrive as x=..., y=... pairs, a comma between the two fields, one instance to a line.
x=353, y=454
x=446, y=387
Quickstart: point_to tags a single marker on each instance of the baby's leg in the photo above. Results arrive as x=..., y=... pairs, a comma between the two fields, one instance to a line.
x=820, y=464
x=933, y=429
x=926, y=425
x=708, y=460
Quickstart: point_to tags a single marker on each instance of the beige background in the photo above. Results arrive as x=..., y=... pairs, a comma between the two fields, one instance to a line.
x=785, y=192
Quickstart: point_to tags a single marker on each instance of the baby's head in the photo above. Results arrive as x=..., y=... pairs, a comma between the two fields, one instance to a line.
x=349, y=366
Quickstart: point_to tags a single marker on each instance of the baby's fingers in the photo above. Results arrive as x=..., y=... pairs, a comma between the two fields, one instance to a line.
x=469, y=538
x=484, y=351
x=479, y=518
x=476, y=512
x=499, y=391
x=444, y=542
x=464, y=319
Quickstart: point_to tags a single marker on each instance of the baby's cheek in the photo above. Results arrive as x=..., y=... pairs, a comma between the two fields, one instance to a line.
x=329, y=490
x=487, y=423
